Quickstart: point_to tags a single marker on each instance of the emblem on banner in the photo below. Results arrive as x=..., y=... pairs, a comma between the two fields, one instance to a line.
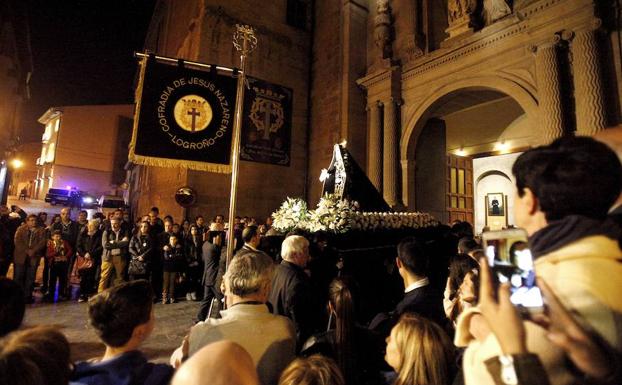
x=193, y=113
x=267, y=112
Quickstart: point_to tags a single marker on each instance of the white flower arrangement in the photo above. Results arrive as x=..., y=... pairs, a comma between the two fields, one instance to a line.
x=332, y=215
x=292, y=214
x=340, y=216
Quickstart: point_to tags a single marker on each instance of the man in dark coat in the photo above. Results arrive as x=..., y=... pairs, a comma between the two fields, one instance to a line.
x=420, y=296
x=291, y=291
x=10, y=220
x=68, y=228
x=252, y=239
x=161, y=241
x=211, y=291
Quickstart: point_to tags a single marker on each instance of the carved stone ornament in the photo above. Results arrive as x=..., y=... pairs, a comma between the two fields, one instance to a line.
x=494, y=10
x=382, y=28
x=459, y=13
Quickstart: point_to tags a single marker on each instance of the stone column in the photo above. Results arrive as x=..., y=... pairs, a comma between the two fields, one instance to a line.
x=549, y=91
x=588, y=87
x=390, y=154
x=374, y=147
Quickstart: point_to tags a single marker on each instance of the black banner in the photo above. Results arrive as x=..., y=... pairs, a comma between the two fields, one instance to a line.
x=267, y=123
x=184, y=118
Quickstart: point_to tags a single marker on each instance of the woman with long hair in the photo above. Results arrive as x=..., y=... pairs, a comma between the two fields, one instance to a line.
x=462, y=286
x=194, y=249
x=354, y=348
x=420, y=352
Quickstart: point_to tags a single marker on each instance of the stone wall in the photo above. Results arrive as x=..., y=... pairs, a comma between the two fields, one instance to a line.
x=202, y=31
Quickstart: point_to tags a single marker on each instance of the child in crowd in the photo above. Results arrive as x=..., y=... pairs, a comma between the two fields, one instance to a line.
x=172, y=262
x=58, y=254
x=123, y=318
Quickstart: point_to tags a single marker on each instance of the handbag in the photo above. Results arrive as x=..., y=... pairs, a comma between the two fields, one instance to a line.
x=84, y=263
x=137, y=267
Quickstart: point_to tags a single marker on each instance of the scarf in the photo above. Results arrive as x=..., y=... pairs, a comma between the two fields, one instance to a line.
x=564, y=231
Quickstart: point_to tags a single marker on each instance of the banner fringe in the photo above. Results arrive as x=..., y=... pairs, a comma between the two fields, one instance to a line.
x=172, y=163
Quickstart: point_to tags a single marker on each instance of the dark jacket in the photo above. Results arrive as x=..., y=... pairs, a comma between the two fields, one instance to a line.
x=193, y=250
x=247, y=249
x=173, y=259
x=140, y=246
x=291, y=297
x=91, y=244
x=129, y=368
x=114, y=244
x=69, y=231
x=211, y=260
x=424, y=301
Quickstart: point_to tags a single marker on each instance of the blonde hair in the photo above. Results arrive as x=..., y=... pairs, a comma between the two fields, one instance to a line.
x=426, y=353
x=314, y=370
x=249, y=274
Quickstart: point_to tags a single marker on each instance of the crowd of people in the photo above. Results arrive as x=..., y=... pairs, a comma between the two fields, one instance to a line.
x=293, y=317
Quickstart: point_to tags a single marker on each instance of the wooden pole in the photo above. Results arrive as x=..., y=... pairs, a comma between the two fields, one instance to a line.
x=245, y=42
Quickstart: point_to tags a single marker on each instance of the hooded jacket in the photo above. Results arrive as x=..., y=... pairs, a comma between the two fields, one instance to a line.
x=585, y=272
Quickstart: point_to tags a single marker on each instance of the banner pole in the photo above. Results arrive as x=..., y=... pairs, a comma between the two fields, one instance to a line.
x=245, y=41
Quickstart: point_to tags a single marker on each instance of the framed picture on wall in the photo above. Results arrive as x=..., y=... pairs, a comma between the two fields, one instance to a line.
x=495, y=204
x=496, y=211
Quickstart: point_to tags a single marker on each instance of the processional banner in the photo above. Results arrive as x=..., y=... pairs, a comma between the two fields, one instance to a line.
x=267, y=123
x=184, y=117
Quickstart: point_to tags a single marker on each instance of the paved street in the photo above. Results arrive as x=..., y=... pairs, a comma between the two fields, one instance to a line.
x=172, y=324
x=172, y=321
x=33, y=206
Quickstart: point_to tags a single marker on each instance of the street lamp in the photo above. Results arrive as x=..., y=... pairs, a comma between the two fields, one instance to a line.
x=16, y=163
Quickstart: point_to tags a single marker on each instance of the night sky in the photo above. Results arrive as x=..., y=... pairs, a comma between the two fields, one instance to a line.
x=83, y=53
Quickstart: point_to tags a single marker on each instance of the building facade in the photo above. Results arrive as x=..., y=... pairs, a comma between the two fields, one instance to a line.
x=84, y=147
x=15, y=74
x=435, y=99
x=202, y=31
x=24, y=166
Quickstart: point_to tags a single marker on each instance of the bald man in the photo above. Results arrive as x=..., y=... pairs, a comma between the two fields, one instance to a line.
x=219, y=363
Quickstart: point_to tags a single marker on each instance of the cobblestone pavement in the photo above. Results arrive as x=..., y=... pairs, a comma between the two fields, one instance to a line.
x=172, y=324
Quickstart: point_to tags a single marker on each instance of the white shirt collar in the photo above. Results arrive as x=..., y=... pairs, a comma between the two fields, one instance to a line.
x=417, y=284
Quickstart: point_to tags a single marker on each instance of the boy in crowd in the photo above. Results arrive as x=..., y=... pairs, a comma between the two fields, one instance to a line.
x=123, y=319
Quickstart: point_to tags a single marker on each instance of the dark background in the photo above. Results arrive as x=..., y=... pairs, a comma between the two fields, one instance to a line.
x=82, y=54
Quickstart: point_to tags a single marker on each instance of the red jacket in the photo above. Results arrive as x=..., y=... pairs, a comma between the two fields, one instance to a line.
x=58, y=254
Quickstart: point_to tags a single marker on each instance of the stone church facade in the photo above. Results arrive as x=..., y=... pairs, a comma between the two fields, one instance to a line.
x=434, y=98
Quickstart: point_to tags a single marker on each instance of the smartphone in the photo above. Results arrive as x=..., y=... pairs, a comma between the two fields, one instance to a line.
x=510, y=259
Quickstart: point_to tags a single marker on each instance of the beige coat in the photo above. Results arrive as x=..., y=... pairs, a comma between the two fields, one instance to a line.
x=21, y=244
x=269, y=339
x=586, y=275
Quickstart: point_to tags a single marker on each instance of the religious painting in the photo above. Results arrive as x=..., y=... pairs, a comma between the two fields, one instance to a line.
x=184, y=117
x=496, y=211
x=267, y=123
x=495, y=204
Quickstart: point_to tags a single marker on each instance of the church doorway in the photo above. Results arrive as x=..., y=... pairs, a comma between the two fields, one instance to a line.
x=463, y=154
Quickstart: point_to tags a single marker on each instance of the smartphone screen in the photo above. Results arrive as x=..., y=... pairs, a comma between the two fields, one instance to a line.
x=510, y=259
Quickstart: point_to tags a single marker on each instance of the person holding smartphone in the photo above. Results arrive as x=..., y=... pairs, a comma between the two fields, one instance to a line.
x=563, y=193
x=597, y=361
